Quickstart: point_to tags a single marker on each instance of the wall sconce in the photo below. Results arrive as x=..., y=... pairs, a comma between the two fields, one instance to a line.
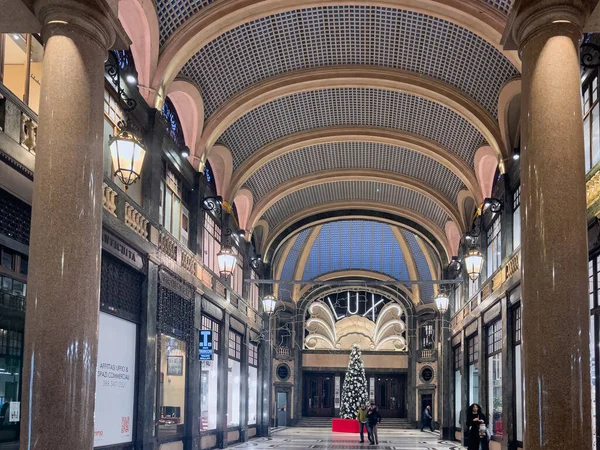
x=226, y=257
x=127, y=152
x=255, y=262
x=269, y=302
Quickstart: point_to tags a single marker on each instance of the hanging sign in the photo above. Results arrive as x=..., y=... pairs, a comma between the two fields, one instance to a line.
x=205, y=350
x=14, y=411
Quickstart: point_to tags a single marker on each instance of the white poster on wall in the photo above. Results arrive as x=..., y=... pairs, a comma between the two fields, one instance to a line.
x=115, y=381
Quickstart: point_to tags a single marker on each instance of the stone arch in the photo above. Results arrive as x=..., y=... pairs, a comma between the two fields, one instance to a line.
x=187, y=100
x=486, y=163
x=244, y=202
x=221, y=162
x=140, y=21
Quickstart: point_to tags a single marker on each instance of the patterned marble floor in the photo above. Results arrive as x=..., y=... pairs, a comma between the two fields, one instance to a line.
x=320, y=439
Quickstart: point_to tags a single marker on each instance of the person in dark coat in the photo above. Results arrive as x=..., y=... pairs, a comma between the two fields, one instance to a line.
x=475, y=417
x=427, y=420
x=373, y=418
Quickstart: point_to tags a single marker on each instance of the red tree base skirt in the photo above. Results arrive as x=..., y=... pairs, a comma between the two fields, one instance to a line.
x=345, y=426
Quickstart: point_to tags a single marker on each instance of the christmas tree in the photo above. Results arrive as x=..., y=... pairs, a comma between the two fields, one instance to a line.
x=354, y=391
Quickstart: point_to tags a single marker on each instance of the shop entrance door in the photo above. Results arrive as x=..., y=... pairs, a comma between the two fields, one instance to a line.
x=390, y=395
x=318, y=397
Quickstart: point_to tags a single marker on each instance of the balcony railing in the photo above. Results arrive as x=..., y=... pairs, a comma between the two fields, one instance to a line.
x=427, y=354
x=18, y=121
x=12, y=301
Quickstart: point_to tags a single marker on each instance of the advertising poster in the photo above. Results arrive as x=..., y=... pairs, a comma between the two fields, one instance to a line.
x=115, y=381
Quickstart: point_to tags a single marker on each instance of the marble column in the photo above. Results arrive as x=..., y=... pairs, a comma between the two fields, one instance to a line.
x=61, y=330
x=556, y=357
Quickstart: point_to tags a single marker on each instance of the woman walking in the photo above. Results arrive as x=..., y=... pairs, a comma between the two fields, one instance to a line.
x=477, y=428
x=373, y=418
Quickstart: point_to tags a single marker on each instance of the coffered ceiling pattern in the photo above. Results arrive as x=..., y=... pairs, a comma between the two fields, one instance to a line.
x=355, y=190
x=346, y=155
x=348, y=35
x=351, y=106
x=238, y=48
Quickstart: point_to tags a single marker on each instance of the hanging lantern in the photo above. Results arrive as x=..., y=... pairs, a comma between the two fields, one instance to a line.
x=442, y=301
x=127, y=154
x=227, y=260
x=473, y=263
x=269, y=302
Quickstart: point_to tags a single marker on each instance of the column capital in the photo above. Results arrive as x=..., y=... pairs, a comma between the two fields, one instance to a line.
x=531, y=16
x=96, y=19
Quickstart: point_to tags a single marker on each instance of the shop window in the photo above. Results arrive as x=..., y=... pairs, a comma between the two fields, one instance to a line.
x=233, y=379
x=458, y=361
x=7, y=259
x=591, y=122
x=237, y=278
x=494, y=246
x=209, y=380
x=519, y=400
x=24, y=266
x=427, y=336
x=457, y=298
x=517, y=218
x=494, y=358
x=252, y=384
x=473, y=287
x=12, y=293
x=11, y=349
x=22, y=56
x=173, y=213
x=473, y=350
x=211, y=243
x=171, y=414
x=253, y=296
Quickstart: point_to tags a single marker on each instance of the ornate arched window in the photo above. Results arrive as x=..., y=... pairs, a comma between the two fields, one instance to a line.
x=173, y=124
x=210, y=178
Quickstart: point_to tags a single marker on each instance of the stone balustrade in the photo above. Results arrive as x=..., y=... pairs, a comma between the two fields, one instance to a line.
x=109, y=199
x=135, y=220
x=188, y=261
x=168, y=245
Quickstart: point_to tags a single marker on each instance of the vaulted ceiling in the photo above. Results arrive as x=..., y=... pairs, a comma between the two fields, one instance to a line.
x=378, y=109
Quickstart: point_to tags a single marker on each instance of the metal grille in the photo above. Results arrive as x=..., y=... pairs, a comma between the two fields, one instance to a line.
x=345, y=155
x=473, y=349
x=494, y=338
x=15, y=218
x=348, y=106
x=176, y=316
x=355, y=190
x=458, y=358
x=173, y=13
x=120, y=288
x=348, y=35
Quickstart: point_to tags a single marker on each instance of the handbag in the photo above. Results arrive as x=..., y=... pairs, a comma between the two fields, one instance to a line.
x=484, y=432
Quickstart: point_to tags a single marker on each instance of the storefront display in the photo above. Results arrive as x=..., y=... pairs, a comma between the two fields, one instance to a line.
x=115, y=381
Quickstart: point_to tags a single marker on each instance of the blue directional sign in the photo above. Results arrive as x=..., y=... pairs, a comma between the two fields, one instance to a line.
x=205, y=349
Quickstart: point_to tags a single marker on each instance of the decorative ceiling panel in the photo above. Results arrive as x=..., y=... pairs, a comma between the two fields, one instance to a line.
x=356, y=244
x=349, y=106
x=422, y=265
x=173, y=13
x=349, y=35
x=355, y=190
x=346, y=155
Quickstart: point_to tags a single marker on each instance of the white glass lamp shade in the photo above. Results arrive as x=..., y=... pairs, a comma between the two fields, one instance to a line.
x=473, y=263
x=127, y=156
x=269, y=302
x=442, y=301
x=227, y=261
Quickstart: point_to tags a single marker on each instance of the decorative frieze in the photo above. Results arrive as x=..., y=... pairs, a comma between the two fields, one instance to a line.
x=592, y=189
